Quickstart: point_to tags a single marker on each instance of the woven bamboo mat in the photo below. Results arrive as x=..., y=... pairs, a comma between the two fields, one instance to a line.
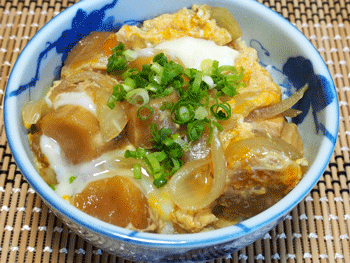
x=317, y=230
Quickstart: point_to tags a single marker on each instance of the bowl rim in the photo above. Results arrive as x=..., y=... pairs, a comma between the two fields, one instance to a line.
x=176, y=240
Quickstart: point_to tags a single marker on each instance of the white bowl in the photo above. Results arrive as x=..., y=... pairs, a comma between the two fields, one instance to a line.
x=282, y=48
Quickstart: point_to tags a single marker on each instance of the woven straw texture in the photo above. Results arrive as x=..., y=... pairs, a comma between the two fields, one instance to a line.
x=317, y=230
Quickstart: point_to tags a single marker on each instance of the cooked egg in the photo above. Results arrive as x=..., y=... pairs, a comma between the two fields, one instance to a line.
x=83, y=172
x=192, y=51
x=100, y=168
x=75, y=98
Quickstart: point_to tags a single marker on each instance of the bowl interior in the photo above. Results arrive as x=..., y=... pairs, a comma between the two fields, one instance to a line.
x=282, y=49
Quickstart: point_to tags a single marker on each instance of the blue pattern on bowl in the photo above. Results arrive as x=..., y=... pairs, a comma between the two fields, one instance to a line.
x=299, y=71
x=82, y=24
x=133, y=245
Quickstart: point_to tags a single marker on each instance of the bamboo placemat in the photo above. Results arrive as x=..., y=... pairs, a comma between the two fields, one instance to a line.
x=317, y=230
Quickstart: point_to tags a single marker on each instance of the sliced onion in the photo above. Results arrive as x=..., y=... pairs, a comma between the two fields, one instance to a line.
x=274, y=110
x=34, y=110
x=291, y=113
x=259, y=145
x=225, y=19
x=189, y=196
x=112, y=121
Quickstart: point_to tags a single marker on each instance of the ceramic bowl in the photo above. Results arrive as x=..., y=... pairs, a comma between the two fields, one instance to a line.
x=282, y=49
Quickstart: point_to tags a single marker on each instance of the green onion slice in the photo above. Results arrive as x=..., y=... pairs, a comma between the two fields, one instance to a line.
x=221, y=111
x=137, y=171
x=182, y=112
x=144, y=112
x=72, y=178
x=195, y=130
x=137, y=96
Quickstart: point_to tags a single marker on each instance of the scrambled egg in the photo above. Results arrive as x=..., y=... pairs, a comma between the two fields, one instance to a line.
x=195, y=22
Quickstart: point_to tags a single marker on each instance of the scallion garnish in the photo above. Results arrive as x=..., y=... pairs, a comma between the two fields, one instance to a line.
x=221, y=111
x=137, y=96
x=159, y=180
x=118, y=95
x=72, y=178
x=182, y=112
x=195, y=108
x=117, y=63
x=195, y=130
x=144, y=112
x=166, y=105
x=137, y=171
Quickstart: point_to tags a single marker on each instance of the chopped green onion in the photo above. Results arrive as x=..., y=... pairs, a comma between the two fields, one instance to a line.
x=158, y=69
x=195, y=130
x=130, y=82
x=72, y=178
x=174, y=150
x=207, y=66
x=130, y=154
x=137, y=171
x=140, y=153
x=118, y=95
x=217, y=125
x=118, y=49
x=160, y=59
x=161, y=156
x=52, y=186
x=142, y=109
x=153, y=163
x=160, y=180
x=117, y=63
x=166, y=105
x=157, y=79
x=130, y=72
x=127, y=88
x=200, y=113
x=197, y=82
x=137, y=96
x=227, y=69
x=215, y=66
x=176, y=163
x=209, y=81
x=230, y=90
x=184, y=145
x=221, y=111
x=182, y=112
x=167, y=142
x=153, y=87
x=130, y=55
x=161, y=78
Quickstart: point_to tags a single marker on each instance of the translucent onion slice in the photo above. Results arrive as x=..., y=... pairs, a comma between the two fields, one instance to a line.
x=250, y=147
x=112, y=121
x=291, y=113
x=274, y=110
x=225, y=19
x=34, y=110
x=189, y=195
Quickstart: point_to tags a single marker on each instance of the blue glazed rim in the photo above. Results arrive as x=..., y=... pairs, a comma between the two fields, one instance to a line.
x=186, y=241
